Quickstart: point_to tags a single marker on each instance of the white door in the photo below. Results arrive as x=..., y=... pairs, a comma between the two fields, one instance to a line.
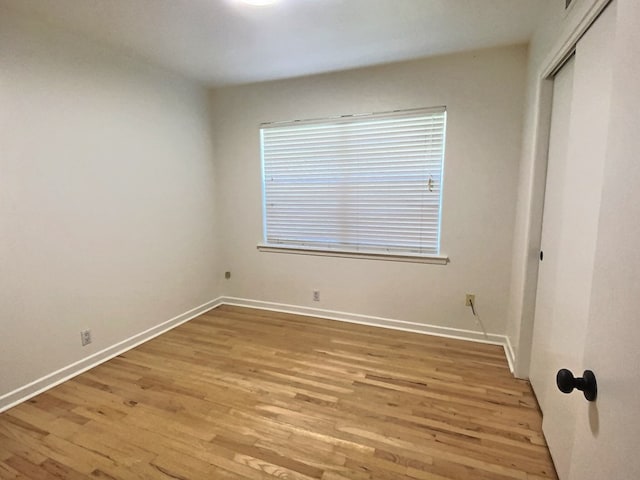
x=554, y=345
x=607, y=432
x=570, y=229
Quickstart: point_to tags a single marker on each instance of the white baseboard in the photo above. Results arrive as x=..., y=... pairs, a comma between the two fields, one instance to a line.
x=32, y=389
x=508, y=351
x=42, y=384
x=460, y=334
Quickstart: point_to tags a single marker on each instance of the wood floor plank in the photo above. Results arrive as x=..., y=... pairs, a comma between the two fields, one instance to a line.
x=239, y=393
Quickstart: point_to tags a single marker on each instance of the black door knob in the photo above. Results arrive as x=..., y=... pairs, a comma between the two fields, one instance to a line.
x=587, y=383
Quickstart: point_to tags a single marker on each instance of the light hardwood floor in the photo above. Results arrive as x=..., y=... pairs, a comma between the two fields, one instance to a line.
x=241, y=393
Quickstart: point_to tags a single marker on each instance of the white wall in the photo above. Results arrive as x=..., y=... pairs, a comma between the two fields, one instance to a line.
x=107, y=205
x=484, y=95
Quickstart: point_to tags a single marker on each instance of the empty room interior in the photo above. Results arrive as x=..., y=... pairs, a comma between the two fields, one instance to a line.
x=320, y=239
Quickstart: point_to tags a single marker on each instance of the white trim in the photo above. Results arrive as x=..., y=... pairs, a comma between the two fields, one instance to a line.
x=565, y=49
x=392, y=257
x=508, y=351
x=447, y=332
x=50, y=380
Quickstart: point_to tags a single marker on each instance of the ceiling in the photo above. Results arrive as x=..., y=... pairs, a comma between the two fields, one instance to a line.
x=223, y=42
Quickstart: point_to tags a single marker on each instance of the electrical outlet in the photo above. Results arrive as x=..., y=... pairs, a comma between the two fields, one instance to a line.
x=316, y=295
x=227, y=275
x=470, y=299
x=85, y=337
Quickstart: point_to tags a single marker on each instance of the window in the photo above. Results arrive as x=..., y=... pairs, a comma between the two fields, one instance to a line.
x=359, y=184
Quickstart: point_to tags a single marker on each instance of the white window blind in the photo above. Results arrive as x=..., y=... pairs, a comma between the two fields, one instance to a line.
x=368, y=183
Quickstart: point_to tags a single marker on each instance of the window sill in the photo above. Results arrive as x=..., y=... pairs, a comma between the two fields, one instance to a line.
x=392, y=257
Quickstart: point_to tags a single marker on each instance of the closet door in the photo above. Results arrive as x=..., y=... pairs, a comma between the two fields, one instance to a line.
x=580, y=118
x=607, y=431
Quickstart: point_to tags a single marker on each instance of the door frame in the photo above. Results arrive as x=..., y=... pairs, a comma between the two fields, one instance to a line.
x=579, y=17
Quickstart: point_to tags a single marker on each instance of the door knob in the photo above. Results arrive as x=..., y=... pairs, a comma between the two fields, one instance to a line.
x=587, y=383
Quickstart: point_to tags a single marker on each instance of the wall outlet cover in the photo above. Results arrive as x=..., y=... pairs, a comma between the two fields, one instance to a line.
x=85, y=337
x=470, y=298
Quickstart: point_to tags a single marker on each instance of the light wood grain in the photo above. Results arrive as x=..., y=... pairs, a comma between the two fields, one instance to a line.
x=247, y=394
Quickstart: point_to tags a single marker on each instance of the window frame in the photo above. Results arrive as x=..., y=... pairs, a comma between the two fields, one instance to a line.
x=363, y=253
